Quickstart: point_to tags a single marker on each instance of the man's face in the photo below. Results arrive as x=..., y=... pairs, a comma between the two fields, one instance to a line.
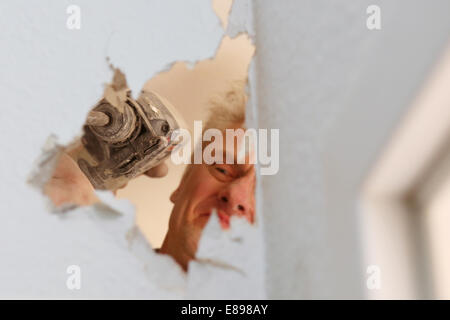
x=227, y=188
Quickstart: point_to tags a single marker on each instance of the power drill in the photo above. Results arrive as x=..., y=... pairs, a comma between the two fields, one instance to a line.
x=123, y=137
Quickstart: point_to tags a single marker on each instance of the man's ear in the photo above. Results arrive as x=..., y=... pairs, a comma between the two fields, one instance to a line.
x=174, y=195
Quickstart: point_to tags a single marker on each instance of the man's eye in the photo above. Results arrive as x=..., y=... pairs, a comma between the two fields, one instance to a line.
x=221, y=170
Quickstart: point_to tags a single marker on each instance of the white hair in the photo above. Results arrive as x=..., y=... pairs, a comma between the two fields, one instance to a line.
x=228, y=110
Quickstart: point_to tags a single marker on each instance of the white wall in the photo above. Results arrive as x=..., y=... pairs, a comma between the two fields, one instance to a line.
x=335, y=90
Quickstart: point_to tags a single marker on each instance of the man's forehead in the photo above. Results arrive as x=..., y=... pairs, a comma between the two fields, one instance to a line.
x=239, y=146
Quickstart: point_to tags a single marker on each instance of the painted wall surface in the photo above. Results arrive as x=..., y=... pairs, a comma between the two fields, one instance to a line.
x=336, y=90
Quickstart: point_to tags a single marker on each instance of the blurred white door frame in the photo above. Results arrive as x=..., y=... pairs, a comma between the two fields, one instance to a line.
x=397, y=193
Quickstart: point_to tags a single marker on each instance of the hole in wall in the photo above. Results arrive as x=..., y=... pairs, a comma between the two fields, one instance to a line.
x=190, y=90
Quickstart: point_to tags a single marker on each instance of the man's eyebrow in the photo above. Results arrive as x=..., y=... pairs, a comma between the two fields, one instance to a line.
x=241, y=168
x=227, y=154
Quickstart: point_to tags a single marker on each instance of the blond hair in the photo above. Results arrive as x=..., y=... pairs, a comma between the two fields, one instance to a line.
x=228, y=110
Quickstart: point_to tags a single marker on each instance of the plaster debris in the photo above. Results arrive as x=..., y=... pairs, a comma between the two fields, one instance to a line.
x=229, y=259
x=44, y=164
x=42, y=171
x=117, y=90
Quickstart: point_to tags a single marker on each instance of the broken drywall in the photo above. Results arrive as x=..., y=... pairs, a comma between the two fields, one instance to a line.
x=51, y=78
x=190, y=90
x=230, y=260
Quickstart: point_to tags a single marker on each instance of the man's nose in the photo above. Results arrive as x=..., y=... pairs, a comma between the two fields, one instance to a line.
x=237, y=198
